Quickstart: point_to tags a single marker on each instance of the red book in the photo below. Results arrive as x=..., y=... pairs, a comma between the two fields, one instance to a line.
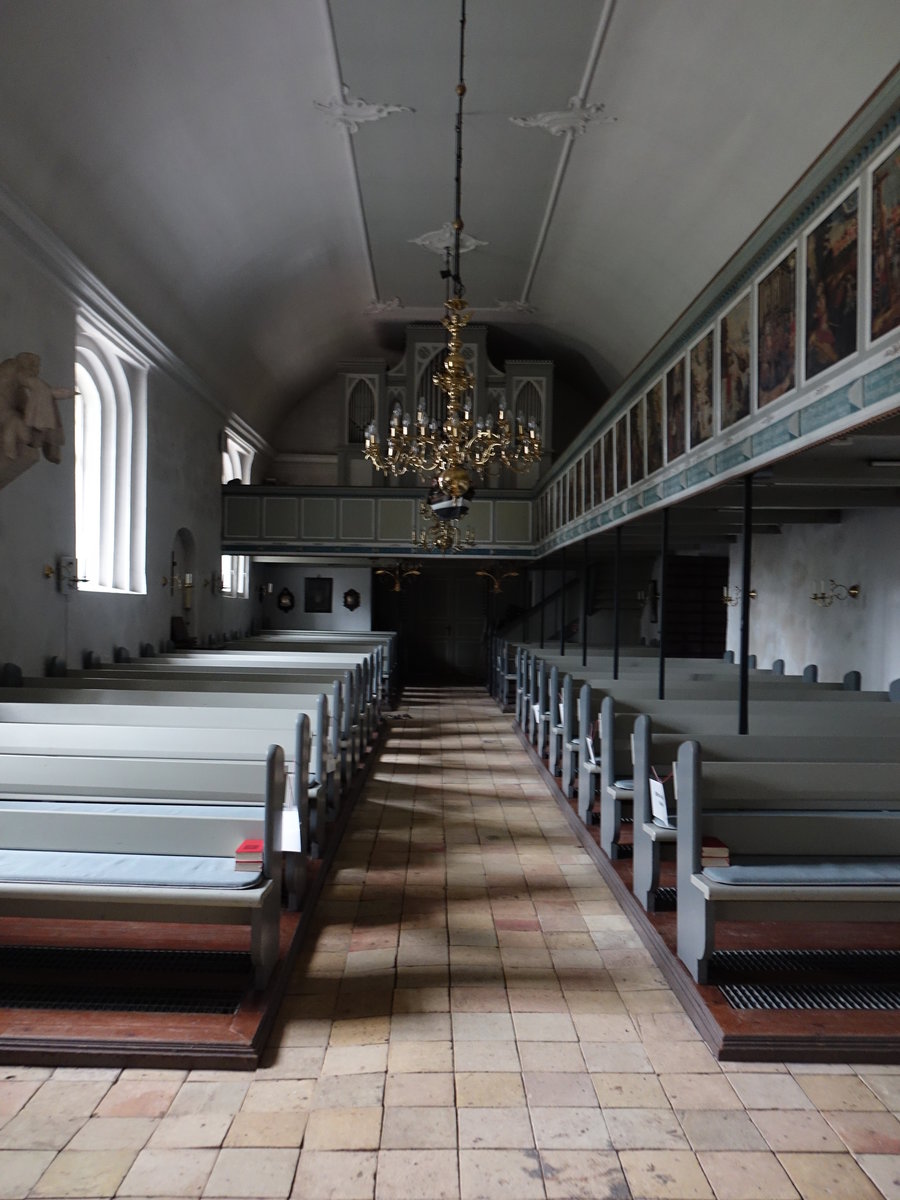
x=250, y=848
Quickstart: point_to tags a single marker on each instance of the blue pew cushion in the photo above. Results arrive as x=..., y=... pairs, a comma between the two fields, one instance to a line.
x=836, y=872
x=122, y=870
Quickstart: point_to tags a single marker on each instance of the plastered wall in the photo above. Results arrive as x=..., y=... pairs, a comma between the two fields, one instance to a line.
x=861, y=634
x=37, y=521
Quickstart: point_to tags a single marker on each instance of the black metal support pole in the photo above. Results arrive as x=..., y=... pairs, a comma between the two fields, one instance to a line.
x=543, y=592
x=744, y=689
x=562, y=605
x=584, y=601
x=617, y=562
x=664, y=550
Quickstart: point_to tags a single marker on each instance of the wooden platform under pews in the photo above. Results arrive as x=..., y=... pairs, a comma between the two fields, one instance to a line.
x=755, y=1034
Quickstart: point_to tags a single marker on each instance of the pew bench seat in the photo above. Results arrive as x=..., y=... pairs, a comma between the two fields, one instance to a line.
x=147, y=862
x=808, y=842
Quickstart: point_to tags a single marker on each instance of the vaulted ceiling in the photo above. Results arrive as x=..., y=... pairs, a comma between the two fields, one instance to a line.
x=189, y=152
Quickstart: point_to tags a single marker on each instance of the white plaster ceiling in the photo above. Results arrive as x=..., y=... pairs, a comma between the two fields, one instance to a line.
x=177, y=147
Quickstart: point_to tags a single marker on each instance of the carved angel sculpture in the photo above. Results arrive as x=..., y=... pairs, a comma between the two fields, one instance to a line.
x=29, y=414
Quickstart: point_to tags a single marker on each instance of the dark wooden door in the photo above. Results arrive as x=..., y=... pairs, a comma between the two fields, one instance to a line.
x=441, y=618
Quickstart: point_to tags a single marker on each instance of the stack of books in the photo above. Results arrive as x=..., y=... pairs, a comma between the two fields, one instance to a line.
x=714, y=853
x=249, y=855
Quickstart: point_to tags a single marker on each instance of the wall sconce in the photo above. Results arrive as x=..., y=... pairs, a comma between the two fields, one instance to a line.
x=497, y=579
x=264, y=589
x=727, y=598
x=399, y=573
x=185, y=584
x=215, y=583
x=836, y=591
x=65, y=572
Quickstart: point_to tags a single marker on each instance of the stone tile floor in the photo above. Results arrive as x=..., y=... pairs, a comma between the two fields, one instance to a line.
x=472, y=1018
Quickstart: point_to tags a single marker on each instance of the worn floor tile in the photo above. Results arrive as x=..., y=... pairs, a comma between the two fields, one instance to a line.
x=665, y=1175
x=20, y=1170
x=166, y=1172
x=335, y=1175
x=500, y=1175
x=753, y=1175
x=253, y=1172
x=828, y=1177
x=416, y=1174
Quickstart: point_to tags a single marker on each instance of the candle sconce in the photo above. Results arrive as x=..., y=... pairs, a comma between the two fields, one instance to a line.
x=497, y=579
x=184, y=584
x=732, y=600
x=399, y=573
x=835, y=591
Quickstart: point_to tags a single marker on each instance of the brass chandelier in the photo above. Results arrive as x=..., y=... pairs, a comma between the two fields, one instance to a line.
x=452, y=450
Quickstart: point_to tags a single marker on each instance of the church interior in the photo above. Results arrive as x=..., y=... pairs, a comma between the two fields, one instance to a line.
x=434, y=439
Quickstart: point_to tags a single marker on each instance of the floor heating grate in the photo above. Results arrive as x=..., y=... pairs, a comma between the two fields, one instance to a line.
x=839, y=980
x=109, y=980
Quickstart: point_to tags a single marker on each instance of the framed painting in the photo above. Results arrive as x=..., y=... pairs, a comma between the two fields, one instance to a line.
x=776, y=344
x=636, y=438
x=734, y=363
x=832, y=275
x=701, y=359
x=317, y=594
x=622, y=454
x=655, y=428
x=608, y=464
x=675, y=411
x=886, y=246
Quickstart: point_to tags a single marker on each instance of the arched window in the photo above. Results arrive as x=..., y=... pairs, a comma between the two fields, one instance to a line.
x=110, y=463
x=360, y=410
x=237, y=460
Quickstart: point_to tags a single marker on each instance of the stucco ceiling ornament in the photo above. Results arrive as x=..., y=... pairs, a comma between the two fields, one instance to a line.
x=517, y=306
x=439, y=240
x=574, y=119
x=381, y=306
x=353, y=111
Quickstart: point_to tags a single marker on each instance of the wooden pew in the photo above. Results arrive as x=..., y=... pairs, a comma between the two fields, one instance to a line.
x=202, y=785
x=808, y=842
x=149, y=863
x=658, y=751
x=766, y=716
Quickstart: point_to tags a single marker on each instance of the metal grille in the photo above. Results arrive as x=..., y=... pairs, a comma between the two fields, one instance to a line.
x=105, y=980
x=808, y=979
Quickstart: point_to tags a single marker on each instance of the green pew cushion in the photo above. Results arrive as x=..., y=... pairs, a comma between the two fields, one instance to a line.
x=122, y=870
x=836, y=872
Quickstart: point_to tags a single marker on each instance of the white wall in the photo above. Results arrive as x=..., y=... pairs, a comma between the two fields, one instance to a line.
x=861, y=634
x=37, y=509
x=293, y=577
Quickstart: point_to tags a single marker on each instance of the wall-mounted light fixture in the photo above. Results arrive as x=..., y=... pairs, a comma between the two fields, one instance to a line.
x=728, y=598
x=497, y=579
x=835, y=591
x=399, y=573
x=184, y=584
x=65, y=572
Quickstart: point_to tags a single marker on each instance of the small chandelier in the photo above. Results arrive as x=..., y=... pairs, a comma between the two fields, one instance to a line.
x=459, y=445
x=441, y=533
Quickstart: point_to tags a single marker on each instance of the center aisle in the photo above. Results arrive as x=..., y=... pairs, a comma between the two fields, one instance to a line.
x=473, y=1015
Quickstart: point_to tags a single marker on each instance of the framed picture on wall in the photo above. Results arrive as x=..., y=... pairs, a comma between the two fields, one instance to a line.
x=776, y=345
x=886, y=245
x=655, y=428
x=636, y=437
x=734, y=362
x=675, y=411
x=317, y=594
x=702, y=390
x=832, y=272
